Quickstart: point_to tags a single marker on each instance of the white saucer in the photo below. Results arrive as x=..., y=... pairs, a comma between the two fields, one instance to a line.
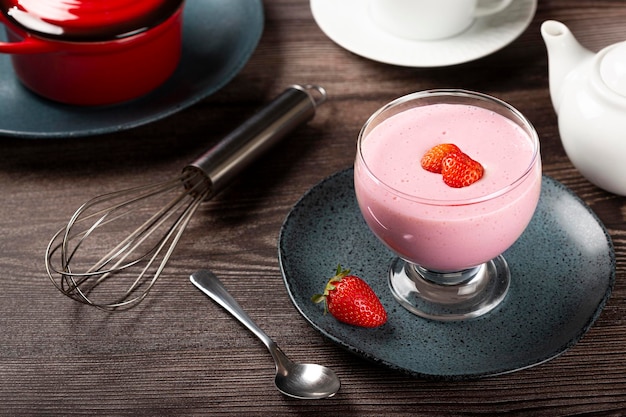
x=348, y=23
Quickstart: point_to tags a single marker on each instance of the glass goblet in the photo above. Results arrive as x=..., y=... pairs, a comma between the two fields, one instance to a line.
x=449, y=241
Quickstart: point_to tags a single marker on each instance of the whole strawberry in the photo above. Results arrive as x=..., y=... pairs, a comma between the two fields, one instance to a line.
x=351, y=300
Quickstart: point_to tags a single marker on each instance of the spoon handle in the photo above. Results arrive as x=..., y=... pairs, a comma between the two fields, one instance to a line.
x=209, y=284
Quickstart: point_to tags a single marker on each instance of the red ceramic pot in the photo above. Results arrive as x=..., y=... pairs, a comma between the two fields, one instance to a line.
x=92, y=52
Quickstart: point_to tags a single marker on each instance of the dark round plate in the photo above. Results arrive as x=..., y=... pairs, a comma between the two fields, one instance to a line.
x=563, y=271
x=219, y=36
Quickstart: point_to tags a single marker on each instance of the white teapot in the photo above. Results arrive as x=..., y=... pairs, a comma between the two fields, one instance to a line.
x=588, y=92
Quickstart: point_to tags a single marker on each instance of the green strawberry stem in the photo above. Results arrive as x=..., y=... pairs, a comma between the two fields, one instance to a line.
x=330, y=286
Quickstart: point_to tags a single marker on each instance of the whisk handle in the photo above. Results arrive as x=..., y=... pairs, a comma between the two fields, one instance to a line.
x=220, y=164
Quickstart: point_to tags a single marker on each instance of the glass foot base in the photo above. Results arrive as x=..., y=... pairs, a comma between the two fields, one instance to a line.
x=450, y=296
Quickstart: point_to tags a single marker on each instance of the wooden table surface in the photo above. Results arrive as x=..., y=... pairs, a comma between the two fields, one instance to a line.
x=180, y=354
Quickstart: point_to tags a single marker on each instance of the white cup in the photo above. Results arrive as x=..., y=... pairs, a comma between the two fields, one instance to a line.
x=431, y=19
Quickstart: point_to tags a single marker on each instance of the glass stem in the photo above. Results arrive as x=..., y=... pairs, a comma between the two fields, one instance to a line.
x=444, y=278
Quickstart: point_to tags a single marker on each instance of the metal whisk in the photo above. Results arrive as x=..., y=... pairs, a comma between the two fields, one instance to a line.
x=131, y=266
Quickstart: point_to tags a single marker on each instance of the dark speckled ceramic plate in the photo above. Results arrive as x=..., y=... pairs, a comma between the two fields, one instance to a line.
x=219, y=36
x=563, y=271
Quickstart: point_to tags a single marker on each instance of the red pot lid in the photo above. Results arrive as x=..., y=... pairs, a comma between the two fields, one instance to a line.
x=88, y=20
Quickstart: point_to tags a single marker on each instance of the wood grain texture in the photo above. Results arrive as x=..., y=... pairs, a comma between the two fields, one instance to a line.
x=178, y=354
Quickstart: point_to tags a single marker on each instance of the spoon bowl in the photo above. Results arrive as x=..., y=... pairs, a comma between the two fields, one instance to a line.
x=303, y=381
x=307, y=381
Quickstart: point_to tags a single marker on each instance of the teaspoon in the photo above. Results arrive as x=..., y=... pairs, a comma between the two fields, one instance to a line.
x=304, y=381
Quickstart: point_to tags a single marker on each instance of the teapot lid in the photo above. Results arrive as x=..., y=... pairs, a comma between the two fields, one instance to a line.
x=87, y=20
x=613, y=68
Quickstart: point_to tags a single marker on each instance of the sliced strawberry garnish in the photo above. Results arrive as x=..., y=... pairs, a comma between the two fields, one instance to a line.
x=459, y=170
x=431, y=161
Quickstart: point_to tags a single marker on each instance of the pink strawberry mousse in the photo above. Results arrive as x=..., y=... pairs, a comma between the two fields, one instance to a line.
x=429, y=223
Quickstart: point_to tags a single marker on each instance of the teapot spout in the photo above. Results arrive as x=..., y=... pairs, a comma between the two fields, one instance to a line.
x=564, y=55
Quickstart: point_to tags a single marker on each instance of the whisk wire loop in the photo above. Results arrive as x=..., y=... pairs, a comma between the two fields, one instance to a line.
x=132, y=250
